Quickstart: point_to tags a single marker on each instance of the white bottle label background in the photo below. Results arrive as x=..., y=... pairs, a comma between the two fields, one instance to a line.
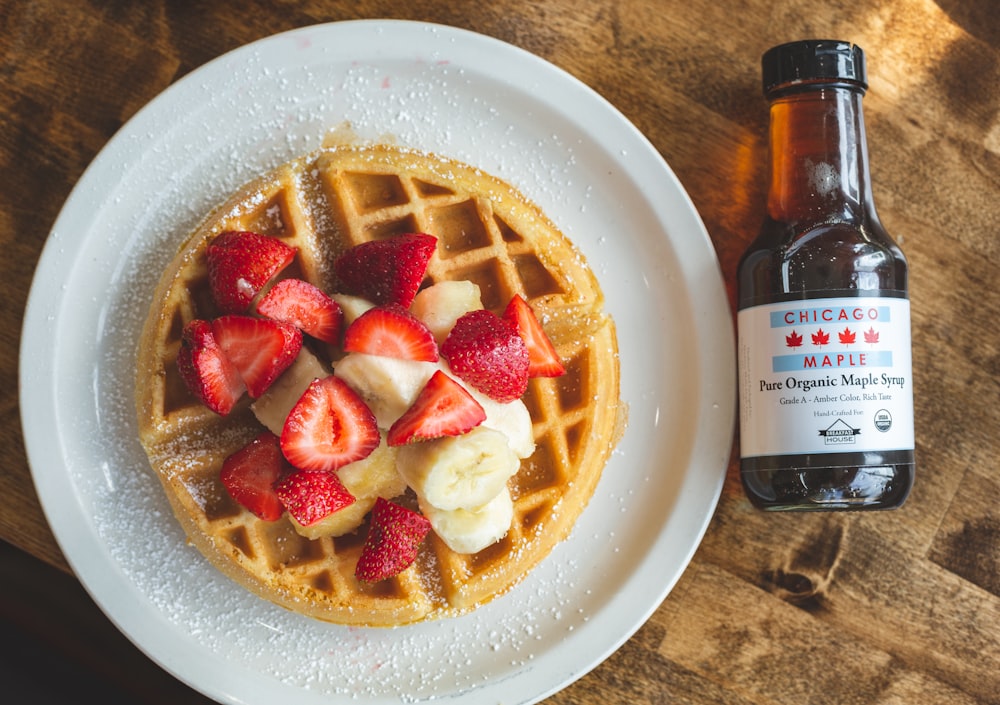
x=825, y=376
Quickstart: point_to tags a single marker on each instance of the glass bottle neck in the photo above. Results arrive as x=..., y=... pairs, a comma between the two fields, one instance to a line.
x=819, y=157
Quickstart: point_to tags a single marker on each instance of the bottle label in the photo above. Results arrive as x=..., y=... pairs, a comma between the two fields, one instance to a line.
x=825, y=376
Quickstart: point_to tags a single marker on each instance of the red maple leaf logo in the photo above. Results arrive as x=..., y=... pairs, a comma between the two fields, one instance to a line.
x=820, y=338
x=794, y=340
x=871, y=336
x=846, y=336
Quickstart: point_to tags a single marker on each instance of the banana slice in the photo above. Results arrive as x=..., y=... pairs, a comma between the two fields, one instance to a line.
x=388, y=385
x=465, y=531
x=458, y=472
x=375, y=475
x=512, y=419
x=352, y=306
x=272, y=407
x=441, y=304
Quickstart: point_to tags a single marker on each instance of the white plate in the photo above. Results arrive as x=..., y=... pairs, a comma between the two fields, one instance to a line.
x=440, y=89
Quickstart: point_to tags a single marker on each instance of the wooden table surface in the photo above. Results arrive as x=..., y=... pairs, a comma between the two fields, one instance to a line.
x=894, y=607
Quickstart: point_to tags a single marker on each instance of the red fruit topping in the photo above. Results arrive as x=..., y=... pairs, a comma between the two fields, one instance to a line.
x=240, y=264
x=386, y=271
x=259, y=348
x=487, y=352
x=304, y=306
x=249, y=475
x=393, y=539
x=312, y=495
x=391, y=331
x=543, y=360
x=206, y=370
x=329, y=427
x=443, y=408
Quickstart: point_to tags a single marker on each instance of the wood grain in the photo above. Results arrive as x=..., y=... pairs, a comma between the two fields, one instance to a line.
x=889, y=608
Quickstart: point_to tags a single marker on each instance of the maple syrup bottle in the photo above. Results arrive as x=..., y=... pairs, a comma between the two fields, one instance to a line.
x=826, y=398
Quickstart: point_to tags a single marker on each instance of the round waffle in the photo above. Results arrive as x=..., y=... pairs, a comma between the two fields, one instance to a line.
x=487, y=233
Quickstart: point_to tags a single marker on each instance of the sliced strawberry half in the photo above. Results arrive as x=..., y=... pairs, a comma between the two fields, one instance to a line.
x=391, y=331
x=206, y=370
x=240, y=264
x=487, y=351
x=250, y=474
x=304, y=306
x=329, y=427
x=259, y=348
x=386, y=271
x=312, y=495
x=543, y=360
x=394, y=537
x=443, y=408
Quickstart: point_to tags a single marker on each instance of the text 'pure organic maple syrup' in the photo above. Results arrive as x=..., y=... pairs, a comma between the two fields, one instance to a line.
x=826, y=398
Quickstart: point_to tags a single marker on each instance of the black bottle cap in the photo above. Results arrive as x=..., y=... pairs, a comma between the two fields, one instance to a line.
x=811, y=60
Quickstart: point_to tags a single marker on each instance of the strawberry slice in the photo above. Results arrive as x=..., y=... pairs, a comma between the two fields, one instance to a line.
x=312, y=495
x=259, y=348
x=487, y=352
x=391, y=331
x=543, y=360
x=386, y=271
x=329, y=427
x=250, y=474
x=394, y=538
x=206, y=370
x=240, y=264
x=443, y=408
x=304, y=306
